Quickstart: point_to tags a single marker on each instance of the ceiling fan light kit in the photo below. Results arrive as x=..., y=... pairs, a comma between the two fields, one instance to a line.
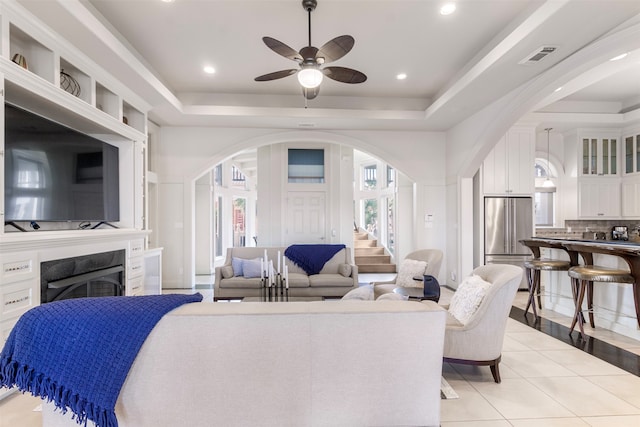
x=310, y=59
x=310, y=77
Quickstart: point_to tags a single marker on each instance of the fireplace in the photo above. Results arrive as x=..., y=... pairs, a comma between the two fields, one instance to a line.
x=95, y=275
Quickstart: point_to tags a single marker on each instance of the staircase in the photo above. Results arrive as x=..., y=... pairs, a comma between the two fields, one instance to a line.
x=369, y=257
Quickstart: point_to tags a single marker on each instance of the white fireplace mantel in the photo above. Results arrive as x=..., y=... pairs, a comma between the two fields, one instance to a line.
x=48, y=240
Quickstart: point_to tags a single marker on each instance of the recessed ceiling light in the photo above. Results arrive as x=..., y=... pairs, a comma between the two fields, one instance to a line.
x=167, y=1
x=401, y=76
x=209, y=69
x=616, y=58
x=558, y=89
x=448, y=9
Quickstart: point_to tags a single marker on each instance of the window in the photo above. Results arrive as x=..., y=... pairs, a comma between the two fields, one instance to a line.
x=369, y=178
x=543, y=202
x=306, y=166
x=217, y=175
x=238, y=180
x=239, y=221
x=391, y=176
x=544, y=197
x=390, y=226
x=217, y=204
x=370, y=212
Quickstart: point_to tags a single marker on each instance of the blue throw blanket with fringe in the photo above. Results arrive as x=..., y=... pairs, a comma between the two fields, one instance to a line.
x=311, y=258
x=78, y=352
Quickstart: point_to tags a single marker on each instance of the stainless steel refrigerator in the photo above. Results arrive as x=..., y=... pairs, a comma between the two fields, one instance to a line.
x=507, y=221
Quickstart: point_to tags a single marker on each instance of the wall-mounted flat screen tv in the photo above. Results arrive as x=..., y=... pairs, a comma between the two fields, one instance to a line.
x=54, y=173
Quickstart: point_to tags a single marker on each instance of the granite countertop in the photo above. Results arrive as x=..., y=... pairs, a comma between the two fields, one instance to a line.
x=635, y=243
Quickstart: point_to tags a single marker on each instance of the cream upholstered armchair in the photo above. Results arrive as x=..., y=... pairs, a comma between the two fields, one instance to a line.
x=409, y=268
x=477, y=338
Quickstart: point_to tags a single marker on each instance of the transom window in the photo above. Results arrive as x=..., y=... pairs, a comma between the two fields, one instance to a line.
x=306, y=166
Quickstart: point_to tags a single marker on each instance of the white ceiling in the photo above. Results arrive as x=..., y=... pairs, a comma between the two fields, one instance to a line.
x=455, y=64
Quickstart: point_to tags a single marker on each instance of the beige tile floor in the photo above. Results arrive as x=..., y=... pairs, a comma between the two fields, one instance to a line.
x=544, y=383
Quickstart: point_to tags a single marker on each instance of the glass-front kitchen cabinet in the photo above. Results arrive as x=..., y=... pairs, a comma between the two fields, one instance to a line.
x=631, y=177
x=632, y=153
x=599, y=155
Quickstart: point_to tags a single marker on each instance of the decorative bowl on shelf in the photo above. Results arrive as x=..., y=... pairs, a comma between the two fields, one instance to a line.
x=70, y=84
x=20, y=60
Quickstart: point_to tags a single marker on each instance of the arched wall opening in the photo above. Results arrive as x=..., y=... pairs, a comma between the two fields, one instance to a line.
x=469, y=142
x=189, y=162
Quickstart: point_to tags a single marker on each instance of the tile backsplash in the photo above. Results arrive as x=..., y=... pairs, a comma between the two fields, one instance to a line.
x=575, y=228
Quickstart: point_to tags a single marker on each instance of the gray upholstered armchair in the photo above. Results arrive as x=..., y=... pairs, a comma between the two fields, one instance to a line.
x=479, y=340
x=433, y=259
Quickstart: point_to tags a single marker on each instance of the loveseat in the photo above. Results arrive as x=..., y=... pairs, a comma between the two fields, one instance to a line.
x=336, y=363
x=338, y=276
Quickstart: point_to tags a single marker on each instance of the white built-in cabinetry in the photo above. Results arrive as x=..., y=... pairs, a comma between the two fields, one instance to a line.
x=599, y=154
x=631, y=174
x=508, y=169
x=632, y=153
x=599, y=197
x=599, y=182
x=19, y=291
x=135, y=267
x=631, y=197
x=97, y=104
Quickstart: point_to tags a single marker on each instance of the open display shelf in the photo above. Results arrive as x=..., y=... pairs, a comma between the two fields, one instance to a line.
x=45, y=74
x=70, y=77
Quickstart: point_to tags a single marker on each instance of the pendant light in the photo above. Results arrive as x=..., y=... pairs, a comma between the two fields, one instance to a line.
x=547, y=182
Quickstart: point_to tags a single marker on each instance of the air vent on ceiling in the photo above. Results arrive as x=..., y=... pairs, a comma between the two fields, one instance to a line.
x=306, y=125
x=538, y=55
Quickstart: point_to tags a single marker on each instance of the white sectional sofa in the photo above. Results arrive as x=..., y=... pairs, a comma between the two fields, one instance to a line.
x=338, y=276
x=332, y=363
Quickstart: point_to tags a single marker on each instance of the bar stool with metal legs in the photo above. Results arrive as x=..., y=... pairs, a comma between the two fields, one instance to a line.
x=532, y=271
x=537, y=264
x=582, y=278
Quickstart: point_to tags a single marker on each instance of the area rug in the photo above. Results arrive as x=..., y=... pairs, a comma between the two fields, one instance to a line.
x=446, y=391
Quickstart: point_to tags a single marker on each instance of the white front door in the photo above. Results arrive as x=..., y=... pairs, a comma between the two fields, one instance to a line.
x=305, y=217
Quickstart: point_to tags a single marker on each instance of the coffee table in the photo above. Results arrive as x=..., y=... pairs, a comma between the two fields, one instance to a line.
x=290, y=299
x=415, y=294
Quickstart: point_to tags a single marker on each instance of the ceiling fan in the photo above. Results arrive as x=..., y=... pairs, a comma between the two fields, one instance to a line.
x=310, y=59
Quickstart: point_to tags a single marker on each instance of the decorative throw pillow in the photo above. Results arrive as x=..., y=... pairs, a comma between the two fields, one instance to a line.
x=251, y=267
x=467, y=298
x=410, y=268
x=236, y=263
x=364, y=293
x=227, y=271
x=345, y=270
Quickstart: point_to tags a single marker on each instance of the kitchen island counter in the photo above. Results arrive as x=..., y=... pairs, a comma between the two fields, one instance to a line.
x=617, y=303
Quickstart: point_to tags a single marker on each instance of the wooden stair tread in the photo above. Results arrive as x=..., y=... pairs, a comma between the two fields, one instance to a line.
x=373, y=250
x=373, y=259
x=376, y=268
x=369, y=257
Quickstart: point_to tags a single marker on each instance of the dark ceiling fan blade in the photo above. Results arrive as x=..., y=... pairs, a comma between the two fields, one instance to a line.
x=310, y=93
x=275, y=75
x=282, y=49
x=344, y=75
x=335, y=49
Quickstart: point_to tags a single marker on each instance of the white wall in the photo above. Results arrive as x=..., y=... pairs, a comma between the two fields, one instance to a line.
x=204, y=221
